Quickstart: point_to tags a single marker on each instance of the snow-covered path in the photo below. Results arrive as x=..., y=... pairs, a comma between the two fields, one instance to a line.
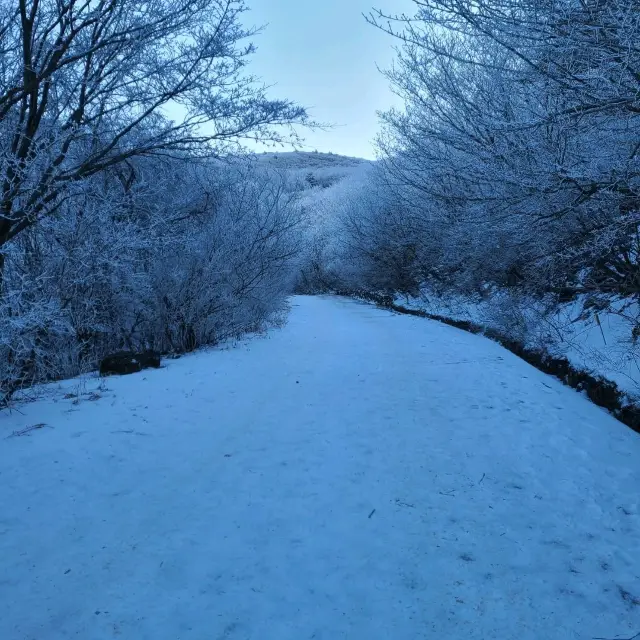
x=354, y=475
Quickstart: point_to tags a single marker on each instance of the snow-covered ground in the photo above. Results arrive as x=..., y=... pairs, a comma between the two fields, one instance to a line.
x=355, y=475
x=603, y=345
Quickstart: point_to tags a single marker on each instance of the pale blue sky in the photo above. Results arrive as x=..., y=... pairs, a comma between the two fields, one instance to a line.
x=322, y=54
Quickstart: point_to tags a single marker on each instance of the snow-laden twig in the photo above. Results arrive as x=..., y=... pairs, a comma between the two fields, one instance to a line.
x=27, y=430
x=637, y=635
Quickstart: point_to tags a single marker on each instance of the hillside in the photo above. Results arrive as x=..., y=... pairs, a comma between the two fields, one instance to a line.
x=322, y=175
x=310, y=160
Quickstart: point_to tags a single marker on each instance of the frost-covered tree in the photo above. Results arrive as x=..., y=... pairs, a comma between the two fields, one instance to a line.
x=117, y=227
x=181, y=256
x=519, y=142
x=86, y=85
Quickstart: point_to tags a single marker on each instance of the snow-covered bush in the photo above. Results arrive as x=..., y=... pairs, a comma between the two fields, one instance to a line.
x=518, y=147
x=111, y=233
x=180, y=256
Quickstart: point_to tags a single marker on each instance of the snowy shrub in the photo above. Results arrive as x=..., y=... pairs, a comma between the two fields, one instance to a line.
x=114, y=230
x=149, y=266
x=515, y=160
x=520, y=317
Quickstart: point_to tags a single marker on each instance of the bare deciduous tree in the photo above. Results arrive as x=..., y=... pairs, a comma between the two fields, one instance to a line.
x=88, y=84
x=520, y=138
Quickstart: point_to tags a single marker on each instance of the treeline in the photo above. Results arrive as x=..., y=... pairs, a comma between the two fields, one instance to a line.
x=515, y=162
x=120, y=227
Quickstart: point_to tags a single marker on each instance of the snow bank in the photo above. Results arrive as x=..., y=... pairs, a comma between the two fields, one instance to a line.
x=601, y=343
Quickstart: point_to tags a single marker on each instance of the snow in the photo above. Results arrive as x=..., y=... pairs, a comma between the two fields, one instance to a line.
x=355, y=474
x=324, y=178
x=606, y=349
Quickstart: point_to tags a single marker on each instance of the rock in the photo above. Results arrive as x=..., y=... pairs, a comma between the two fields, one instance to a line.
x=149, y=360
x=125, y=362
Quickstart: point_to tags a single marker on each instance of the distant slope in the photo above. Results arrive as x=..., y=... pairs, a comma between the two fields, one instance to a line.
x=301, y=160
x=318, y=172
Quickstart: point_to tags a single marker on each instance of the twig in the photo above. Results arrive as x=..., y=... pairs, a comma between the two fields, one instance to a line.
x=481, y=479
x=631, y=638
x=131, y=431
x=26, y=430
x=371, y=514
x=605, y=342
x=11, y=406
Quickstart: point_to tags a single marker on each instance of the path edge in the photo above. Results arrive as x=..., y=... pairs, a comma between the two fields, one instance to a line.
x=601, y=391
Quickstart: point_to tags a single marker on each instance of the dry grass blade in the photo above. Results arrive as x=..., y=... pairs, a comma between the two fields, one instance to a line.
x=27, y=430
